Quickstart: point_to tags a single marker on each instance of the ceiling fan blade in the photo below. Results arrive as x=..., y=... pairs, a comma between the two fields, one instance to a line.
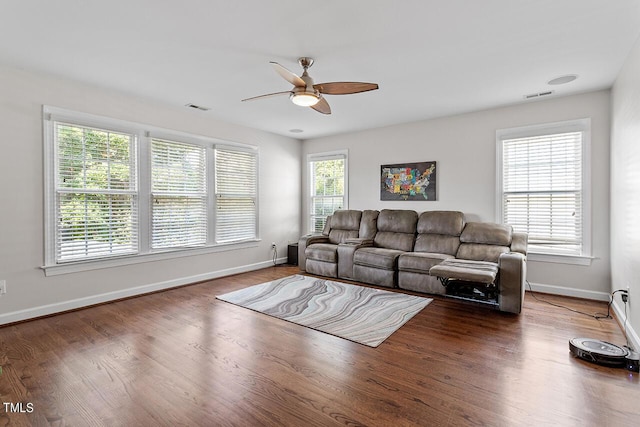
x=344, y=88
x=322, y=106
x=288, y=75
x=267, y=95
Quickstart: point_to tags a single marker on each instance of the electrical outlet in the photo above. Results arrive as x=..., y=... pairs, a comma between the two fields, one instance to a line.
x=273, y=245
x=625, y=295
x=3, y=287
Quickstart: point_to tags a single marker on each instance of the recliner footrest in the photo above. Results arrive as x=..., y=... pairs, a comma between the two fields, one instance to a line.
x=467, y=270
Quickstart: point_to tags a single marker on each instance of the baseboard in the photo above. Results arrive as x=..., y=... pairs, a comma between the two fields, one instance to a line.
x=631, y=334
x=49, y=309
x=569, y=292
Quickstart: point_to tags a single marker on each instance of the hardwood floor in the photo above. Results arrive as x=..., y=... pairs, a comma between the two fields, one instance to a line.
x=181, y=357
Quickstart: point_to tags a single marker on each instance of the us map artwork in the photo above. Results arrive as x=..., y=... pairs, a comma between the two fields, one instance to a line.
x=408, y=181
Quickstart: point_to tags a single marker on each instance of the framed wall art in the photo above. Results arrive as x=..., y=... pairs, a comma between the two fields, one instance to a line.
x=408, y=181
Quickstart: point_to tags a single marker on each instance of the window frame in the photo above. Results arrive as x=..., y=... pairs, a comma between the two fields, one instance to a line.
x=578, y=125
x=324, y=156
x=144, y=134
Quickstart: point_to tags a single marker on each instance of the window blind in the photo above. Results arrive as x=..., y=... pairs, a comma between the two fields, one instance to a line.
x=236, y=189
x=178, y=195
x=542, y=190
x=327, y=189
x=95, y=193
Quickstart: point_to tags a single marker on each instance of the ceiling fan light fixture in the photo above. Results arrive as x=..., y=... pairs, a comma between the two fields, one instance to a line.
x=305, y=99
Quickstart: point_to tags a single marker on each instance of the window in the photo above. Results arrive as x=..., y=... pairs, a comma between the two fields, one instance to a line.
x=236, y=196
x=95, y=193
x=118, y=191
x=178, y=194
x=543, y=186
x=328, y=177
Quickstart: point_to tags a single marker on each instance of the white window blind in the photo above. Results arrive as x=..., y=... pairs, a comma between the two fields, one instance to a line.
x=236, y=190
x=327, y=188
x=120, y=193
x=543, y=190
x=178, y=195
x=95, y=193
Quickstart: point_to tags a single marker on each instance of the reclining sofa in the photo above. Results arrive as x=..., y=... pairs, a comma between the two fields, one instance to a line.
x=436, y=252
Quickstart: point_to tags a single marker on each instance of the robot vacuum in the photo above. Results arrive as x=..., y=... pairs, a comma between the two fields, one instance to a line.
x=600, y=352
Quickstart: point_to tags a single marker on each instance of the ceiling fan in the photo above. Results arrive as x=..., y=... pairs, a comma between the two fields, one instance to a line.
x=306, y=93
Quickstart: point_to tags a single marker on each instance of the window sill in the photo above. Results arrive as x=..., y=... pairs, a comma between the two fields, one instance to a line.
x=560, y=259
x=78, y=266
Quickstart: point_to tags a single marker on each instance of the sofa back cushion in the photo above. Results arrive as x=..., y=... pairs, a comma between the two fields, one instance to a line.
x=345, y=224
x=484, y=241
x=327, y=226
x=368, y=224
x=396, y=229
x=439, y=232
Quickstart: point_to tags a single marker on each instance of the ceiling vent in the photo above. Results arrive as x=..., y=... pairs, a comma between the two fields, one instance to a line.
x=538, y=95
x=197, y=107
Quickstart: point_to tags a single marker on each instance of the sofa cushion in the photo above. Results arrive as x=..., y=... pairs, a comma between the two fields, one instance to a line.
x=461, y=269
x=327, y=269
x=437, y=243
x=397, y=221
x=368, y=224
x=420, y=262
x=441, y=222
x=397, y=241
x=439, y=231
x=325, y=252
x=396, y=229
x=486, y=233
x=337, y=236
x=383, y=258
x=344, y=225
x=478, y=252
x=346, y=219
x=327, y=226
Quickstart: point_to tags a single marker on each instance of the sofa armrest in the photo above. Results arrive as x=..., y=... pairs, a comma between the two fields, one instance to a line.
x=512, y=268
x=306, y=240
x=346, y=251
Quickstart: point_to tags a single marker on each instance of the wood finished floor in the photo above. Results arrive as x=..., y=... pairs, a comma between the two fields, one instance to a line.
x=181, y=357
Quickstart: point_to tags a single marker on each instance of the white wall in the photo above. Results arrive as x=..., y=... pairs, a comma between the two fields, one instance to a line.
x=464, y=148
x=625, y=187
x=30, y=293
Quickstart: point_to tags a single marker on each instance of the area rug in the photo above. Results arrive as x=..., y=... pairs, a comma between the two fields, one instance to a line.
x=364, y=315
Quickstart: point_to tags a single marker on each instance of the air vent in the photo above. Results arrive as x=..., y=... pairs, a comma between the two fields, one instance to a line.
x=197, y=107
x=538, y=95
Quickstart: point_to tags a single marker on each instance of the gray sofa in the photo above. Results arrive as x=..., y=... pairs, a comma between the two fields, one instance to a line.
x=435, y=252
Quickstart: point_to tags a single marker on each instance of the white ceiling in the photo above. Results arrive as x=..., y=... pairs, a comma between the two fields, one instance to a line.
x=431, y=58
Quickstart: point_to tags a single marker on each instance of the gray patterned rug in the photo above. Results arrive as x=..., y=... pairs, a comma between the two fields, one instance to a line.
x=365, y=315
